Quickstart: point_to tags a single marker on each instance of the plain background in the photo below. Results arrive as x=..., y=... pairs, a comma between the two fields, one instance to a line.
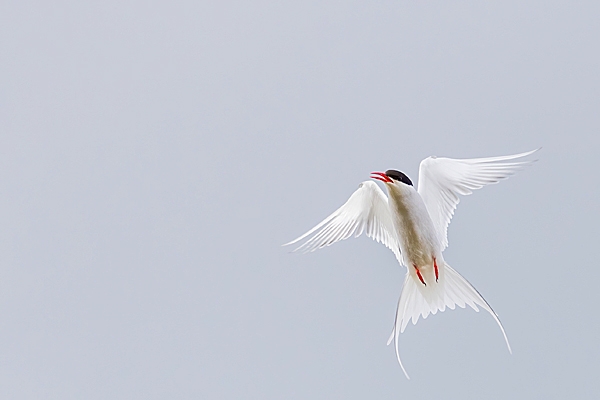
x=154, y=156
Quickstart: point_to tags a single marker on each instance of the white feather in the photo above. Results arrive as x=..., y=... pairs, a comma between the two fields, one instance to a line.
x=367, y=209
x=441, y=180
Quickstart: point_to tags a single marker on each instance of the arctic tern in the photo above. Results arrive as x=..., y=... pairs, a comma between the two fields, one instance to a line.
x=413, y=224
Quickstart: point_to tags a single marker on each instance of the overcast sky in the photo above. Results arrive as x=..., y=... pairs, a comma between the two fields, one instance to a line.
x=154, y=156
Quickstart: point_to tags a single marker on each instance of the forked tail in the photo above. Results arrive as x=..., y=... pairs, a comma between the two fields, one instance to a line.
x=420, y=300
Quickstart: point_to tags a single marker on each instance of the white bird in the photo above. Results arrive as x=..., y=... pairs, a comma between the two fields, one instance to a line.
x=413, y=224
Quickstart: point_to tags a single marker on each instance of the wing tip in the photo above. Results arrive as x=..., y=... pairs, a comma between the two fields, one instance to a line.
x=288, y=243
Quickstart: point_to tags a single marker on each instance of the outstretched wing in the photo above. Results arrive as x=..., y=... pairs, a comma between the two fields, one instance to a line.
x=441, y=180
x=366, y=210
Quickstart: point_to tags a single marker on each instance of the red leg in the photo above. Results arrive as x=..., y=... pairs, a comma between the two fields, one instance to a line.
x=435, y=267
x=419, y=275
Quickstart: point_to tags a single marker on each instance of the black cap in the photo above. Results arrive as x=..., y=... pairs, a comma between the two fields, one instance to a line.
x=398, y=176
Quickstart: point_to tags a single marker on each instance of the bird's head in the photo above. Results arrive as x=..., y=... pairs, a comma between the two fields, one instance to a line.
x=392, y=176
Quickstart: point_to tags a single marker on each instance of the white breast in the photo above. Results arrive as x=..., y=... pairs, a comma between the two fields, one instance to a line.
x=416, y=233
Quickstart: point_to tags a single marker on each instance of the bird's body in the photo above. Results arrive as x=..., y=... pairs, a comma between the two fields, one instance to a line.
x=416, y=234
x=413, y=224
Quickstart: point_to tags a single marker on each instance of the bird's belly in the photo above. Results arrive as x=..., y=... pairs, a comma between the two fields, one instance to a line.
x=415, y=245
x=416, y=235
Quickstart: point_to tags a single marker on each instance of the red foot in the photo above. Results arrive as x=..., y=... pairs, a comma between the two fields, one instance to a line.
x=436, y=269
x=419, y=275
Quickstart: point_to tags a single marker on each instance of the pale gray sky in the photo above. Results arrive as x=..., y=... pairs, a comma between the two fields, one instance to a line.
x=155, y=155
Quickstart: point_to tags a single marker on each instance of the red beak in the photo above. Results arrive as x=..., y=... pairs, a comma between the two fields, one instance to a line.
x=381, y=176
